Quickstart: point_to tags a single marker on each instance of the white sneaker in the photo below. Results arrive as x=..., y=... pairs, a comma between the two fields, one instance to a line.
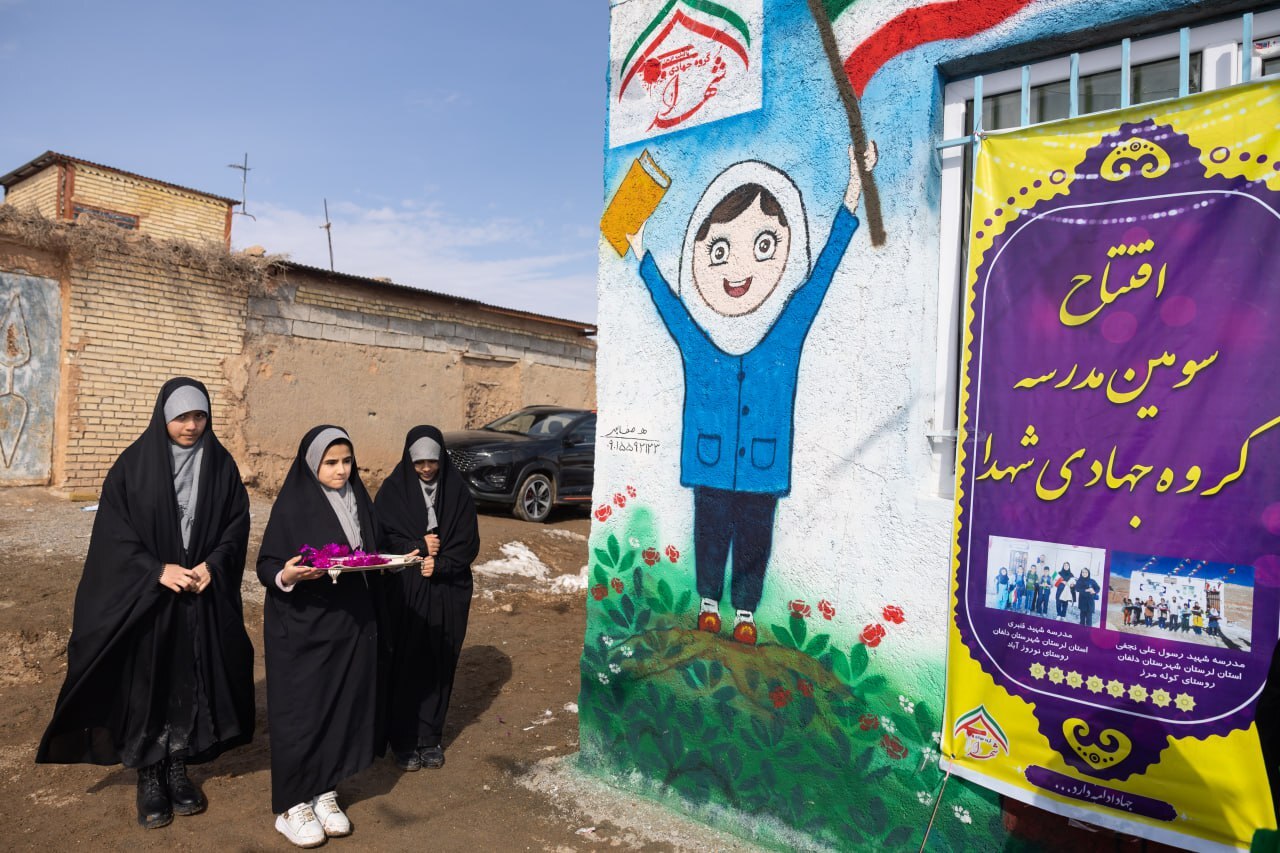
x=335, y=823
x=300, y=826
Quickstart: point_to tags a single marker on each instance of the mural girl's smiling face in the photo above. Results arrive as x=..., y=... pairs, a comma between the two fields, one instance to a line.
x=738, y=263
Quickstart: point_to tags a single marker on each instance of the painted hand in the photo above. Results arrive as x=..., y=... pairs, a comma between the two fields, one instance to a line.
x=869, y=159
x=636, y=242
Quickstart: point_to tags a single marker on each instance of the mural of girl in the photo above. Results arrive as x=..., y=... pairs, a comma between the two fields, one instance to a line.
x=744, y=305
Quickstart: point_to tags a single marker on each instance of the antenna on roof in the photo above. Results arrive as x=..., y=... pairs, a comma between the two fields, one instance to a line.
x=244, y=181
x=327, y=227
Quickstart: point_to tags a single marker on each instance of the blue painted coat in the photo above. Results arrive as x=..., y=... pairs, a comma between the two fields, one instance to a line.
x=739, y=409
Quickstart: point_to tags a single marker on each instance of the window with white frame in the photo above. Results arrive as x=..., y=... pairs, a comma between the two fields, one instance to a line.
x=1161, y=67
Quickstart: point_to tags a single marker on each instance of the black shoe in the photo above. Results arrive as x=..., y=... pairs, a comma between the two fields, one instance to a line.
x=185, y=796
x=409, y=762
x=154, y=809
x=431, y=756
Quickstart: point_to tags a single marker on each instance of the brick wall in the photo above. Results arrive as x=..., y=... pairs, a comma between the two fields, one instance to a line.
x=163, y=212
x=134, y=324
x=38, y=192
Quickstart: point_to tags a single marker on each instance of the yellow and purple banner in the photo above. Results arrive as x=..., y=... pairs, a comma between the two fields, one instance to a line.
x=1116, y=596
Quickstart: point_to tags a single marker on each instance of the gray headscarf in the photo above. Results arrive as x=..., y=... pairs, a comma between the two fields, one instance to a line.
x=426, y=449
x=186, y=460
x=342, y=500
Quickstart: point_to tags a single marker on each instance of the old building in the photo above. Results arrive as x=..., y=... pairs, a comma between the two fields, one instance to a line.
x=110, y=283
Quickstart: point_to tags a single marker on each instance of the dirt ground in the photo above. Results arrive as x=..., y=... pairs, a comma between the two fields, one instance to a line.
x=512, y=707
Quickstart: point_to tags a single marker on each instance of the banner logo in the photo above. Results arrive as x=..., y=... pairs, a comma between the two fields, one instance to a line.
x=983, y=737
x=1112, y=746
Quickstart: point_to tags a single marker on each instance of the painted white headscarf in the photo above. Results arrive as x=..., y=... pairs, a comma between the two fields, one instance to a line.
x=738, y=335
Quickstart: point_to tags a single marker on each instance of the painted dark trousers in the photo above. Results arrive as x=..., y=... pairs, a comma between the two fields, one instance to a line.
x=739, y=522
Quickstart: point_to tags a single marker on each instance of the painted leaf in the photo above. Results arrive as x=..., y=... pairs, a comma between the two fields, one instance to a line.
x=612, y=544
x=717, y=671
x=898, y=837
x=799, y=629
x=628, y=609
x=783, y=635
x=925, y=720
x=620, y=620
x=724, y=694
x=839, y=664
x=876, y=816
x=602, y=562
x=873, y=684
x=817, y=644
x=858, y=660
x=664, y=594
x=638, y=581
x=642, y=620
x=907, y=727
x=685, y=598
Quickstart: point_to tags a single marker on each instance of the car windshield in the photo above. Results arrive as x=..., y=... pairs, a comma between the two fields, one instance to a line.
x=532, y=423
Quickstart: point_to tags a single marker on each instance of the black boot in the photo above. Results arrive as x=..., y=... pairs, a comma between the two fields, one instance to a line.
x=186, y=797
x=154, y=809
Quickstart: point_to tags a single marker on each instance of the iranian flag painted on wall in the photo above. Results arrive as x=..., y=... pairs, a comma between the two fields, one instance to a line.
x=872, y=32
x=680, y=63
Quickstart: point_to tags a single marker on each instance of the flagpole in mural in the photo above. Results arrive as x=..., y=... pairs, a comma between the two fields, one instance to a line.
x=858, y=135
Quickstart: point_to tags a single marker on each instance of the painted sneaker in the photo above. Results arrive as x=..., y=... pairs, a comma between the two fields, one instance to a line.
x=709, y=622
x=745, y=632
x=332, y=819
x=300, y=826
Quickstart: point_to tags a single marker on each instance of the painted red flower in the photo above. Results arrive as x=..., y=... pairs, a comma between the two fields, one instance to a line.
x=651, y=71
x=827, y=609
x=894, y=747
x=799, y=609
x=651, y=556
x=620, y=499
x=893, y=613
x=867, y=722
x=631, y=491
x=872, y=635
x=805, y=687
x=603, y=512
x=672, y=553
x=616, y=583
x=599, y=591
x=781, y=696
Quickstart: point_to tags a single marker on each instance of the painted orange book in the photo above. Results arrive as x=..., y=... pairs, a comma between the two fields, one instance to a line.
x=635, y=201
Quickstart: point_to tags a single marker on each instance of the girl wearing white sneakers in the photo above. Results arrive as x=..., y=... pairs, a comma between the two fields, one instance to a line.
x=321, y=638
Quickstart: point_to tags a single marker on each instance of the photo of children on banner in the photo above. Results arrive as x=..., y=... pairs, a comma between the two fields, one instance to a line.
x=745, y=300
x=1182, y=599
x=1071, y=592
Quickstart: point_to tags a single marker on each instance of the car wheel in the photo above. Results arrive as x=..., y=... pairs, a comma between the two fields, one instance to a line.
x=534, y=498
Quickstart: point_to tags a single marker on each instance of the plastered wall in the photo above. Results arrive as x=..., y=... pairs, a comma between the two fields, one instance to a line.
x=821, y=727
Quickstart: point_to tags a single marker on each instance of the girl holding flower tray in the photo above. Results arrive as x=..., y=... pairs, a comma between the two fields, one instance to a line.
x=322, y=639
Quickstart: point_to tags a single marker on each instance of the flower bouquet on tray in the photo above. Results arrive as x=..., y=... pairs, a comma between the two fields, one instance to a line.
x=338, y=558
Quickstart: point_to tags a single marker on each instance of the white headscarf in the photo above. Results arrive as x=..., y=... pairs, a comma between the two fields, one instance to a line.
x=738, y=335
x=342, y=500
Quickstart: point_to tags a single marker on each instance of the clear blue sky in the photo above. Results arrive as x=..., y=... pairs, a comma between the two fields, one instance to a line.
x=459, y=144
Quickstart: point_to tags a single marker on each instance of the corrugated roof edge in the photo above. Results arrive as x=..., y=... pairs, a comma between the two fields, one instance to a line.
x=26, y=170
x=585, y=329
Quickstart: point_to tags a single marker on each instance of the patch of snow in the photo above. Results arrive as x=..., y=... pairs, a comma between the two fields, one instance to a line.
x=559, y=533
x=569, y=584
x=517, y=559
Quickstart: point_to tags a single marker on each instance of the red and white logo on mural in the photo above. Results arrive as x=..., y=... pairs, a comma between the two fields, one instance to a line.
x=680, y=63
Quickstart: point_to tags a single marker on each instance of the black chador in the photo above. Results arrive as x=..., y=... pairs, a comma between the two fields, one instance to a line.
x=155, y=675
x=427, y=615
x=321, y=638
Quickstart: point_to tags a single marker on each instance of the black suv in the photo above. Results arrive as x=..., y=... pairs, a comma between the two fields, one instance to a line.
x=529, y=460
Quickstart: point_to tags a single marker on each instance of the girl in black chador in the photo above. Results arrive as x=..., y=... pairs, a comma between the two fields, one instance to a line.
x=159, y=667
x=322, y=640
x=424, y=504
